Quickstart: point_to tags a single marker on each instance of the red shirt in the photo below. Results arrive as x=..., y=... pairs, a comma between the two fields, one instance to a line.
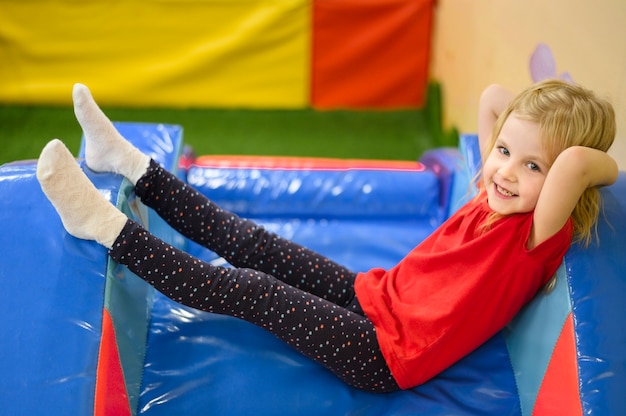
x=456, y=289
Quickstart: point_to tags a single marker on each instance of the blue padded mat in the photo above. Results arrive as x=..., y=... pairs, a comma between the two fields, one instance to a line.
x=598, y=285
x=223, y=366
x=199, y=363
x=52, y=300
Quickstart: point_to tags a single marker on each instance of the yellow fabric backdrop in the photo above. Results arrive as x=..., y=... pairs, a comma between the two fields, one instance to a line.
x=183, y=53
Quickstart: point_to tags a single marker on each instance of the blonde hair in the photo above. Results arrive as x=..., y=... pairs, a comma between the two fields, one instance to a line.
x=568, y=115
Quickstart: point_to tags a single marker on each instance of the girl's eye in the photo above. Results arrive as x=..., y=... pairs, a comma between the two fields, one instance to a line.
x=503, y=150
x=533, y=166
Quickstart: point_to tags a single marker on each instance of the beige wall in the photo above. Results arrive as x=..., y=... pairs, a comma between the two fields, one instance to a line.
x=478, y=42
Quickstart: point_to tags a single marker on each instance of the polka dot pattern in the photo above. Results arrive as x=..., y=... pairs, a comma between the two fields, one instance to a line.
x=242, y=243
x=298, y=295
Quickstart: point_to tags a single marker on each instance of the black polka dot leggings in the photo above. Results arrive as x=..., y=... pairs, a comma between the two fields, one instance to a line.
x=298, y=295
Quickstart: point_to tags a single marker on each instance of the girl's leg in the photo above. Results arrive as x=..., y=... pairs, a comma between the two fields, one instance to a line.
x=341, y=340
x=242, y=243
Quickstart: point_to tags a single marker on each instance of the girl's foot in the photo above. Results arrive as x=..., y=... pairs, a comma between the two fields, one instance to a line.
x=85, y=213
x=105, y=149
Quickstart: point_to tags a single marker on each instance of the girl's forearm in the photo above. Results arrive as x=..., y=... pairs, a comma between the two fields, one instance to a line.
x=594, y=167
x=493, y=101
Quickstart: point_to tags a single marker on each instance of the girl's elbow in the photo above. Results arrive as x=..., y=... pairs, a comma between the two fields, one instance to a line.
x=594, y=167
x=606, y=169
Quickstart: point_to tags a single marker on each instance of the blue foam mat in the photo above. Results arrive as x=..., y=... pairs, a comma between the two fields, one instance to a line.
x=224, y=366
x=51, y=302
x=198, y=363
x=598, y=288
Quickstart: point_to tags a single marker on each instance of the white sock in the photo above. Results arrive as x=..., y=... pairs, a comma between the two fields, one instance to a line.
x=105, y=149
x=85, y=213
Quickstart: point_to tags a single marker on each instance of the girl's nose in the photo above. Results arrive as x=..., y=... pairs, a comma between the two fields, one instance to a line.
x=507, y=172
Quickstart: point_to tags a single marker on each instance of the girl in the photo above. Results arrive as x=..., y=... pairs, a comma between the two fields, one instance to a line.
x=381, y=330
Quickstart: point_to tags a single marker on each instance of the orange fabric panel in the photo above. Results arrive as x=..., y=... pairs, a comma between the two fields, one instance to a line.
x=559, y=393
x=111, y=396
x=370, y=53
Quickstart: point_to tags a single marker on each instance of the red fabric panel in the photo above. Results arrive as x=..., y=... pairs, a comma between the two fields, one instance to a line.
x=559, y=393
x=111, y=396
x=370, y=53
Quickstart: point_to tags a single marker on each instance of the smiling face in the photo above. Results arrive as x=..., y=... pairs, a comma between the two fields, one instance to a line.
x=516, y=168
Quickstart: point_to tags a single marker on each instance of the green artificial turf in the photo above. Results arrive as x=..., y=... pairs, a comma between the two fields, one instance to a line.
x=398, y=135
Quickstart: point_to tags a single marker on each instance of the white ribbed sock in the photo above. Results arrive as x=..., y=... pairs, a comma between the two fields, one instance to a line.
x=85, y=213
x=105, y=149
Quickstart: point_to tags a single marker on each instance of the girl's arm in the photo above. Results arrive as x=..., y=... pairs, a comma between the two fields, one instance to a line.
x=493, y=101
x=574, y=170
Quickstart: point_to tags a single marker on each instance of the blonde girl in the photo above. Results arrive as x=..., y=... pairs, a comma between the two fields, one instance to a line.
x=379, y=330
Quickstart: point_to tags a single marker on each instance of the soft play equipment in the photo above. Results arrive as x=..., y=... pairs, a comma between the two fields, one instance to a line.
x=226, y=53
x=82, y=335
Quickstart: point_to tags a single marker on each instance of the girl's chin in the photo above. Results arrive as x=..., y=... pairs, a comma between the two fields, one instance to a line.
x=500, y=204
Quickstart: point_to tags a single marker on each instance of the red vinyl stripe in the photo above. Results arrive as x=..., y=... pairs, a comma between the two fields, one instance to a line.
x=559, y=393
x=111, y=395
x=302, y=163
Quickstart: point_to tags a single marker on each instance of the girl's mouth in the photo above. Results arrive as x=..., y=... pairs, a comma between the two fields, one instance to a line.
x=503, y=191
